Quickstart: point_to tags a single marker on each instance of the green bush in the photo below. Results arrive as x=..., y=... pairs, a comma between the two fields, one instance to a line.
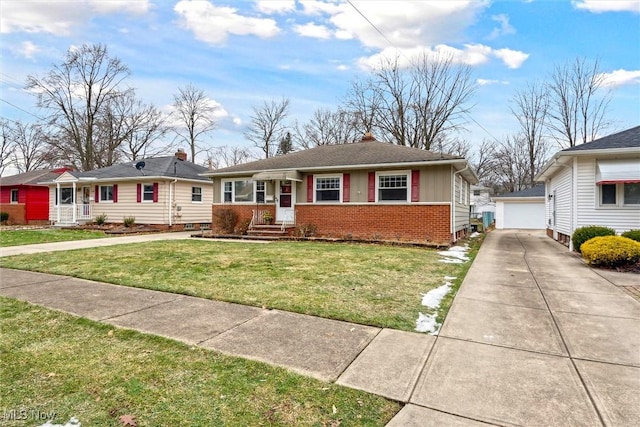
x=129, y=221
x=583, y=234
x=101, y=219
x=611, y=251
x=632, y=234
x=4, y=217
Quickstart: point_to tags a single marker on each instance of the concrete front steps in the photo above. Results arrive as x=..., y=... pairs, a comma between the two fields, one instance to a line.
x=274, y=231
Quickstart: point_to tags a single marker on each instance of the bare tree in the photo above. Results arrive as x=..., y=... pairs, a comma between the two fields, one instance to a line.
x=484, y=163
x=30, y=148
x=221, y=157
x=418, y=105
x=195, y=113
x=77, y=93
x=530, y=107
x=511, y=164
x=6, y=145
x=328, y=127
x=363, y=102
x=577, y=112
x=148, y=127
x=267, y=125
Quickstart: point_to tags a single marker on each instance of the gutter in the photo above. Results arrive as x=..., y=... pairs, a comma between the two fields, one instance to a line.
x=171, y=202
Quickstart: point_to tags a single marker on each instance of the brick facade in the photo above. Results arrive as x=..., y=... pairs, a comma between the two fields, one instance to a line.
x=16, y=211
x=422, y=223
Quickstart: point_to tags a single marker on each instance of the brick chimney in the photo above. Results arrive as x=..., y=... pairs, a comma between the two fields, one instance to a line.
x=367, y=137
x=181, y=155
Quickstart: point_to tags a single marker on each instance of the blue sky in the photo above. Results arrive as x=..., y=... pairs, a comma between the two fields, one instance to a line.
x=242, y=53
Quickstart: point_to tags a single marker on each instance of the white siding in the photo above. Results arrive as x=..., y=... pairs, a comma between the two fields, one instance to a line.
x=561, y=187
x=589, y=213
x=521, y=214
x=461, y=209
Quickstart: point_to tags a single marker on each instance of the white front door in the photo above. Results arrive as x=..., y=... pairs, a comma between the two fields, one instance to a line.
x=285, y=200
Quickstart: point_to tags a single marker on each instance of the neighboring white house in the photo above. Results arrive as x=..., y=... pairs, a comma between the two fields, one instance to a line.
x=521, y=209
x=597, y=183
x=165, y=192
x=481, y=201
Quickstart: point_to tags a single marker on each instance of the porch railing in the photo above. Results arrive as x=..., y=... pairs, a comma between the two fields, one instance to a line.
x=84, y=212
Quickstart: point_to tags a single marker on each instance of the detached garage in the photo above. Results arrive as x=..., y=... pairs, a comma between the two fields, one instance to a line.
x=521, y=209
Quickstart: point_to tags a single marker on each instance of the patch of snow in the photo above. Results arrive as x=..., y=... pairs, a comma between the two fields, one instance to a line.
x=455, y=255
x=449, y=278
x=474, y=235
x=452, y=261
x=426, y=323
x=73, y=422
x=433, y=298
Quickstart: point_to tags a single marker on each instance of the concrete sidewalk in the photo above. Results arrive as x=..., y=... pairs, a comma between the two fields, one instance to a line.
x=95, y=243
x=534, y=337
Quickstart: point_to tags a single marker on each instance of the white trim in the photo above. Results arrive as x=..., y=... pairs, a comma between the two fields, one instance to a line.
x=340, y=178
x=233, y=191
x=17, y=193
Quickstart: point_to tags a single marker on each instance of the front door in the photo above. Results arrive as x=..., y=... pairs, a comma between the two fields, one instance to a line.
x=285, y=196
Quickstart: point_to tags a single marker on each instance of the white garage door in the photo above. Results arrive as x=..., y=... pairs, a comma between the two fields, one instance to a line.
x=524, y=215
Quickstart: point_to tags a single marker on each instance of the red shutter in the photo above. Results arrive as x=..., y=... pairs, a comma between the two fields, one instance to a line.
x=138, y=193
x=372, y=186
x=346, y=187
x=97, y=194
x=155, y=192
x=415, y=186
x=310, y=189
x=115, y=193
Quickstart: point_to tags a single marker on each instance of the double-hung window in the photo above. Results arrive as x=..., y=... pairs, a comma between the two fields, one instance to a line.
x=393, y=187
x=14, y=195
x=196, y=194
x=65, y=197
x=106, y=193
x=328, y=189
x=147, y=193
x=260, y=192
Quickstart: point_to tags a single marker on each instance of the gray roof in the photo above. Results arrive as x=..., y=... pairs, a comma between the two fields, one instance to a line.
x=536, y=191
x=626, y=139
x=170, y=167
x=31, y=177
x=342, y=155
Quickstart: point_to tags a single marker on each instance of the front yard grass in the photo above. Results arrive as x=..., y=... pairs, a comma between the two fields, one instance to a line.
x=368, y=284
x=31, y=237
x=55, y=363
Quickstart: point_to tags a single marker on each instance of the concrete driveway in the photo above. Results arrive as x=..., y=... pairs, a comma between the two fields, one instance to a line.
x=534, y=337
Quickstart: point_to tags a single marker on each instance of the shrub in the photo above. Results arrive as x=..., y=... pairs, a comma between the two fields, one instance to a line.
x=583, y=234
x=225, y=220
x=129, y=221
x=243, y=226
x=632, y=234
x=611, y=251
x=4, y=217
x=101, y=219
x=307, y=230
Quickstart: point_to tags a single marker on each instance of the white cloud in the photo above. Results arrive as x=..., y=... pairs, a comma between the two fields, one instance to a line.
x=319, y=7
x=276, y=6
x=504, y=29
x=512, y=58
x=342, y=67
x=59, y=18
x=486, y=82
x=26, y=49
x=213, y=24
x=621, y=78
x=600, y=6
x=313, y=30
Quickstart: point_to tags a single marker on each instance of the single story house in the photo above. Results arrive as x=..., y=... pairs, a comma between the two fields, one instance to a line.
x=25, y=199
x=521, y=209
x=367, y=189
x=164, y=192
x=597, y=183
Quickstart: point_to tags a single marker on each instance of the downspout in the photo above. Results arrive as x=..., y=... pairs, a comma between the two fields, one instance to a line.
x=453, y=203
x=171, y=202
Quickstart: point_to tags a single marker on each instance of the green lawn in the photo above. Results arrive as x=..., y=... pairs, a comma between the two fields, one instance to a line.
x=55, y=363
x=31, y=237
x=369, y=284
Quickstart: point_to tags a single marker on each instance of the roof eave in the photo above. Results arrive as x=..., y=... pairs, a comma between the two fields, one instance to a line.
x=214, y=174
x=548, y=170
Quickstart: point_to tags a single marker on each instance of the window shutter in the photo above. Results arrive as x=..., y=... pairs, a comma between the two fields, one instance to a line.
x=115, y=193
x=372, y=186
x=155, y=192
x=96, y=197
x=415, y=185
x=346, y=187
x=138, y=193
x=310, y=189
